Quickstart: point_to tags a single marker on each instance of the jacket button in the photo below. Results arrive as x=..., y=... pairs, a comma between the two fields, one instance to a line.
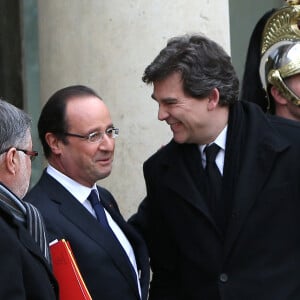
x=223, y=277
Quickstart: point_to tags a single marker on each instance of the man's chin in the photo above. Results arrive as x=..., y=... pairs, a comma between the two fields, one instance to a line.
x=103, y=174
x=179, y=139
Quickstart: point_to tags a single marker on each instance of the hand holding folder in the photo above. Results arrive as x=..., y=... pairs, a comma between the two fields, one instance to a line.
x=66, y=271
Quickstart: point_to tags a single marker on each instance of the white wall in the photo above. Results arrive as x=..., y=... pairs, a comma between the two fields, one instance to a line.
x=107, y=45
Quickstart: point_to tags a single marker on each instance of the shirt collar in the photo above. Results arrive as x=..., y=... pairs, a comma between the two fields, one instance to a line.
x=220, y=140
x=79, y=191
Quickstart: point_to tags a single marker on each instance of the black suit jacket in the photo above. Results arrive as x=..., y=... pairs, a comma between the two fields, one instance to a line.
x=102, y=262
x=259, y=257
x=25, y=273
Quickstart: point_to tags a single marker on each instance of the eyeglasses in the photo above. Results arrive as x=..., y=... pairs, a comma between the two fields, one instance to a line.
x=33, y=154
x=97, y=136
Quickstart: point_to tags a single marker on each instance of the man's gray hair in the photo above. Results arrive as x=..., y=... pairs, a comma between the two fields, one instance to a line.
x=14, y=124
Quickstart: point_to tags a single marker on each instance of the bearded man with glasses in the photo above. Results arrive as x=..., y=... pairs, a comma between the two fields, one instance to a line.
x=78, y=138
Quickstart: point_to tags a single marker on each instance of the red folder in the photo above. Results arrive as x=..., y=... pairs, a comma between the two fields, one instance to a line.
x=65, y=269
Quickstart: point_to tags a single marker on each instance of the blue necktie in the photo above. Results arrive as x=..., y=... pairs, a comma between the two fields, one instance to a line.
x=98, y=208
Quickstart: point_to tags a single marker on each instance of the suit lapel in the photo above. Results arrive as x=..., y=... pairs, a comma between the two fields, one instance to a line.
x=258, y=161
x=185, y=160
x=132, y=237
x=136, y=241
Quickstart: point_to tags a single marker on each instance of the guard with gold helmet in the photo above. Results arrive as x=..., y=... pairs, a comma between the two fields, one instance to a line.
x=280, y=61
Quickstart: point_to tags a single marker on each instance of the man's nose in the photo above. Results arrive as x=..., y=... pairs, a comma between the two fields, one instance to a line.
x=162, y=113
x=107, y=144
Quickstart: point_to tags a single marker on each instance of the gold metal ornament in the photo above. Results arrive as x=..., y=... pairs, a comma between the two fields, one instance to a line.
x=280, y=50
x=292, y=2
x=283, y=25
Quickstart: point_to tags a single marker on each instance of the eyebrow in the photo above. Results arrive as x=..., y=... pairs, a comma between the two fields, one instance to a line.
x=98, y=130
x=164, y=99
x=109, y=126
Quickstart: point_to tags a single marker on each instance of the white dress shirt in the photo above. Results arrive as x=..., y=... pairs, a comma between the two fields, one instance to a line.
x=221, y=142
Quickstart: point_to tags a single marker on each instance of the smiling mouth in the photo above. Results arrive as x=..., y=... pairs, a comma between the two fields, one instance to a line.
x=175, y=125
x=105, y=160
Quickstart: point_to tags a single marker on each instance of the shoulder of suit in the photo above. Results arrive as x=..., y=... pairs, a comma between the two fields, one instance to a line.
x=283, y=122
x=287, y=130
x=163, y=151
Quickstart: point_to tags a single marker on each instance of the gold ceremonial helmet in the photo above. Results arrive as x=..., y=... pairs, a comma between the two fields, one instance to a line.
x=280, y=49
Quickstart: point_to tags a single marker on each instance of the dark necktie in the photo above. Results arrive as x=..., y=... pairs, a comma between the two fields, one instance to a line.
x=98, y=208
x=214, y=187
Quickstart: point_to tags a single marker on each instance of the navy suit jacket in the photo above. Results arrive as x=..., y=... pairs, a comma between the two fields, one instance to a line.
x=102, y=261
x=259, y=256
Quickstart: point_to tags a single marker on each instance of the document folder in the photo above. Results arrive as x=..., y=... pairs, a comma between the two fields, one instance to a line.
x=65, y=269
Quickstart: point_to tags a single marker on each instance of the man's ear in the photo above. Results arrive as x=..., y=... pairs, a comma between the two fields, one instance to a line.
x=53, y=142
x=12, y=161
x=213, y=99
x=278, y=98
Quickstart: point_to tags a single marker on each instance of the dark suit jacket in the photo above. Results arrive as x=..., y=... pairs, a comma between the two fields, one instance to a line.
x=259, y=257
x=25, y=274
x=103, y=264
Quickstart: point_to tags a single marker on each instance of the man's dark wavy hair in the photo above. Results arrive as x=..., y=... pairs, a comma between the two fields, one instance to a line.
x=203, y=65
